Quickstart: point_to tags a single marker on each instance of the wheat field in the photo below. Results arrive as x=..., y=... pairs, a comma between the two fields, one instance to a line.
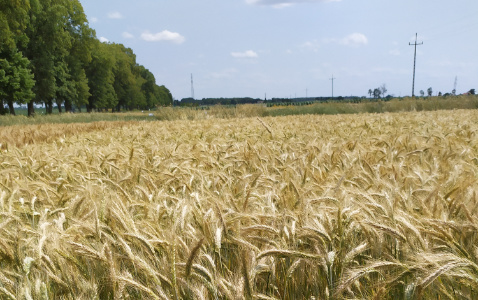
x=369, y=206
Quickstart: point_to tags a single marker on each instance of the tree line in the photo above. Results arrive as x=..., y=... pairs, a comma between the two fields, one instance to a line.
x=191, y=102
x=49, y=55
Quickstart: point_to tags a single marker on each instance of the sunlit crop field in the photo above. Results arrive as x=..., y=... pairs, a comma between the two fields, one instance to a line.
x=368, y=206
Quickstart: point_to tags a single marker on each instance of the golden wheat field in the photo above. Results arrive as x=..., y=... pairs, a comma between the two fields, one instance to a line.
x=370, y=206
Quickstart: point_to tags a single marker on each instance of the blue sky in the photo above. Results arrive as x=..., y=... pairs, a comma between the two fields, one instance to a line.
x=291, y=48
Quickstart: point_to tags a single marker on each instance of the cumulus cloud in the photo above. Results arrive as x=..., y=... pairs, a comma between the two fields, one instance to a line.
x=226, y=73
x=313, y=45
x=115, y=15
x=351, y=40
x=164, y=35
x=128, y=35
x=354, y=39
x=103, y=39
x=245, y=54
x=94, y=20
x=285, y=3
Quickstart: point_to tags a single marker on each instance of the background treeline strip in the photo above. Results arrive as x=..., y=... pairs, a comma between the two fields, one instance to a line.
x=49, y=55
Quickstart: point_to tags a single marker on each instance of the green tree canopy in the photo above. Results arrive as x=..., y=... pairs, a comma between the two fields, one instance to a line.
x=101, y=78
x=16, y=80
x=13, y=21
x=51, y=41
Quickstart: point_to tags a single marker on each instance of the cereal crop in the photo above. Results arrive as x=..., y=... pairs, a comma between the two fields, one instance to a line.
x=367, y=206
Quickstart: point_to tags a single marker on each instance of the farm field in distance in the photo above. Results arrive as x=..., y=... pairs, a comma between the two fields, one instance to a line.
x=365, y=206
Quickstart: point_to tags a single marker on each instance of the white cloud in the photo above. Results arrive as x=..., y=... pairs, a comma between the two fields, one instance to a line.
x=115, y=15
x=311, y=45
x=282, y=5
x=103, y=39
x=94, y=20
x=164, y=35
x=245, y=54
x=227, y=73
x=128, y=35
x=285, y=3
x=354, y=39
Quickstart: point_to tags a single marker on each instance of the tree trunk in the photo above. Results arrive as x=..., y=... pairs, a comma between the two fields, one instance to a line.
x=49, y=107
x=31, y=109
x=58, y=103
x=68, y=106
x=10, y=107
x=2, y=108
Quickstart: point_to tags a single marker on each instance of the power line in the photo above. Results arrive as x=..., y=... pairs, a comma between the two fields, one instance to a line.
x=414, y=62
x=453, y=26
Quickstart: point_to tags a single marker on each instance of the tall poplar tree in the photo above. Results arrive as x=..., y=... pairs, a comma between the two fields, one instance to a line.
x=59, y=49
x=16, y=80
x=101, y=78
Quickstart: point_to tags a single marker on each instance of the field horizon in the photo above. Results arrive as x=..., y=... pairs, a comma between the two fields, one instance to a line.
x=170, y=113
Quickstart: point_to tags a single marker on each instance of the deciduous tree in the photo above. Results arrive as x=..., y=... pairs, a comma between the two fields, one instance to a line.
x=101, y=78
x=52, y=40
x=383, y=90
x=16, y=80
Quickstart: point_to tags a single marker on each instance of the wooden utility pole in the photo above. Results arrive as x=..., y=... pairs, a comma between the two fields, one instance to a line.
x=332, y=85
x=192, y=87
x=414, y=61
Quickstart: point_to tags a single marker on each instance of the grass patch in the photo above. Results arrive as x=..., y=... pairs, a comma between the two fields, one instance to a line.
x=378, y=106
x=68, y=118
x=253, y=110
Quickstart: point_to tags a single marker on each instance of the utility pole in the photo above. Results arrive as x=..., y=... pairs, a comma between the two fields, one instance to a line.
x=454, y=87
x=332, y=85
x=414, y=61
x=192, y=87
